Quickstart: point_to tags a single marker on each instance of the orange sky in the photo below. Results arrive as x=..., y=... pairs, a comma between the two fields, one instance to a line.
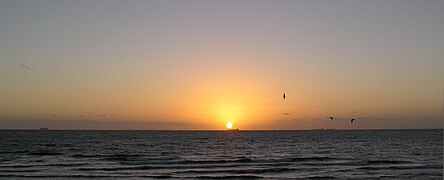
x=170, y=65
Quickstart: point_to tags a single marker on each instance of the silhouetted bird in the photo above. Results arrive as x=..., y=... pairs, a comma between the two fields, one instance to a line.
x=352, y=121
x=283, y=96
x=331, y=118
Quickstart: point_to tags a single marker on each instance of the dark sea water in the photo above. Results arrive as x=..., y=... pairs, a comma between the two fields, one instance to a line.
x=363, y=154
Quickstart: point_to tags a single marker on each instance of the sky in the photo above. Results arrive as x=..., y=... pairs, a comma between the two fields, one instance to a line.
x=178, y=65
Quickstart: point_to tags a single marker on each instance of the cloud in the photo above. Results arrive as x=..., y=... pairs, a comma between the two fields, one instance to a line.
x=298, y=119
x=52, y=116
x=294, y=120
x=26, y=66
x=106, y=115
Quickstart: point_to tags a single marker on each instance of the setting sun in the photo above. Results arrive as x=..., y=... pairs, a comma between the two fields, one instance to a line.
x=229, y=125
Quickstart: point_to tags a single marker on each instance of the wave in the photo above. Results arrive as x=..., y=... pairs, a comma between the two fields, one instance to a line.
x=40, y=165
x=239, y=171
x=284, y=161
x=126, y=157
x=106, y=155
x=141, y=176
x=182, y=166
x=148, y=167
x=55, y=176
x=170, y=162
x=392, y=167
x=321, y=177
x=389, y=162
x=45, y=153
x=84, y=176
x=229, y=177
x=178, y=160
x=360, y=163
x=13, y=151
x=302, y=159
x=19, y=170
x=240, y=160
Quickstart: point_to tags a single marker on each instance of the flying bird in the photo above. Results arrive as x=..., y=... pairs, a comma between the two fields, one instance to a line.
x=352, y=121
x=331, y=118
x=283, y=96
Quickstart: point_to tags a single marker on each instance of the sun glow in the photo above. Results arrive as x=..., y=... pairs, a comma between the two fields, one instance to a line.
x=231, y=98
x=229, y=125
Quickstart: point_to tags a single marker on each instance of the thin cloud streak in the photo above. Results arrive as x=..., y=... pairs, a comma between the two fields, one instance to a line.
x=26, y=66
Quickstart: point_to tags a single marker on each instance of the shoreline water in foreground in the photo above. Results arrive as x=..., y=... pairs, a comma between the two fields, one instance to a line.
x=355, y=154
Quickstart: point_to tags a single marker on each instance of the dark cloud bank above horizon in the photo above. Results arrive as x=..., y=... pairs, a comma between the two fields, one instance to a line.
x=95, y=124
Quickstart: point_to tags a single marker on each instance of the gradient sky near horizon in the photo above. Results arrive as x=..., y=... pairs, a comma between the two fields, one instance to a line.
x=200, y=64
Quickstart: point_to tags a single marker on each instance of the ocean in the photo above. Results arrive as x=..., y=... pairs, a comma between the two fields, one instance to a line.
x=323, y=154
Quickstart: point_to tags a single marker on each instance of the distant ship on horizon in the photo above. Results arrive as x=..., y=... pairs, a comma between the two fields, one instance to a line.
x=44, y=129
x=322, y=129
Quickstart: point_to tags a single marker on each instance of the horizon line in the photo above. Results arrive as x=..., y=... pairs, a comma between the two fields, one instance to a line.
x=330, y=129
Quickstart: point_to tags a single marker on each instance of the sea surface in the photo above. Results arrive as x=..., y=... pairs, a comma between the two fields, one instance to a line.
x=335, y=154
